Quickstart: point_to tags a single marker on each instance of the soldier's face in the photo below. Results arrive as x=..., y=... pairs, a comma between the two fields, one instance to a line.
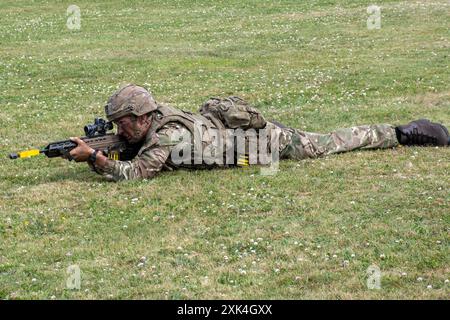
x=133, y=129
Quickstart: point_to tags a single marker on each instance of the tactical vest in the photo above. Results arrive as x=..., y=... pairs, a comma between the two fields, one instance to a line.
x=216, y=114
x=219, y=113
x=166, y=114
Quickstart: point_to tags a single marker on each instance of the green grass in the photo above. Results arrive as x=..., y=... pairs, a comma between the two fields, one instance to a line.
x=318, y=224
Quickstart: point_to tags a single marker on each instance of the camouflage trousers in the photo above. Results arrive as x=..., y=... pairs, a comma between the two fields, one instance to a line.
x=296, y=144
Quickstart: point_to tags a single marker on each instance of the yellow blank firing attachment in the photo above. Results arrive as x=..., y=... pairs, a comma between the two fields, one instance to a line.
x=25, y=154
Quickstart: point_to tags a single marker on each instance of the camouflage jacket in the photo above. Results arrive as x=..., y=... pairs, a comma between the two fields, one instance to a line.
x=161, y=147
x=171, y=141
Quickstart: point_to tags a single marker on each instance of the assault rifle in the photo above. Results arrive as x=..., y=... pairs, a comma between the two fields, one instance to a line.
x=112, y=145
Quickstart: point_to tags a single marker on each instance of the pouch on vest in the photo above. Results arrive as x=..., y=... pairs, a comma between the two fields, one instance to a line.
x=234, y=113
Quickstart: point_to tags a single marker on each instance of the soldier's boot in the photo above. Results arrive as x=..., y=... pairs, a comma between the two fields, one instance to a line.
x=423, y=132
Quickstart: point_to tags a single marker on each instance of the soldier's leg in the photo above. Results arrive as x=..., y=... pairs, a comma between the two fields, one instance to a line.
x=300, y=145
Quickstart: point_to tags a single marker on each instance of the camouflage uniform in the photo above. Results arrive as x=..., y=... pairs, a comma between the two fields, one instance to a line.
x=165, y=146
x=155, y=154
x=208, y=134
x=151, y=158
x=300, y=145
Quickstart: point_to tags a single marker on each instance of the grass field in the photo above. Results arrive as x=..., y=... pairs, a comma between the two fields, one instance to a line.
x=309, y=232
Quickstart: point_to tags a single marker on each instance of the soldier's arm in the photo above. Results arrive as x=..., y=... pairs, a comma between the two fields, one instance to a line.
x=145, y=166
x=148, y=163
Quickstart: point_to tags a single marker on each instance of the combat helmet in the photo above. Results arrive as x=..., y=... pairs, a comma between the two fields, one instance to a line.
x=130, y=99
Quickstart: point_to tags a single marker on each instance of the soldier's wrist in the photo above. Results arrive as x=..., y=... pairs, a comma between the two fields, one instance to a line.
x=92, y=156
x=101, y=160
